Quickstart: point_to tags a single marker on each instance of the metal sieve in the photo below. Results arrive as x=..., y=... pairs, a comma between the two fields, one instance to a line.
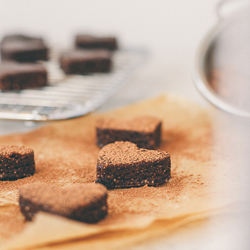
x=222, y=63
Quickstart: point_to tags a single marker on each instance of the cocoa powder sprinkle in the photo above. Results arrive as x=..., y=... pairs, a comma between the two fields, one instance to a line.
x=8, y=150
x=140, y=124
x=127, y=152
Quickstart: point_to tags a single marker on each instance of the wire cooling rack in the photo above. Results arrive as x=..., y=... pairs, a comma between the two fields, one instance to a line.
x=69, y=96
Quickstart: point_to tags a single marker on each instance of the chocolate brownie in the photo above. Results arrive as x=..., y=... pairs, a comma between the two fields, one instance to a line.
x=124, y=165
x=16, y=162
x=23, y=48
x=16, y=76
x=86, y=61
x=93, y=42
x=15, y=37
x=145, y=131
x=83, y=202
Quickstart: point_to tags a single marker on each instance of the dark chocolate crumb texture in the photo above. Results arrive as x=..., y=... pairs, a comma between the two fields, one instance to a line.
x=83, y=202
x=23, y=48
x=86, y=61
x=94, y=42
x=17, y=76
x=16, y=162
x=124, y=165
x=144, y=131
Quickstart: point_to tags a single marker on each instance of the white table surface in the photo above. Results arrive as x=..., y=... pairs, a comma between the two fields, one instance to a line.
x=171, y=31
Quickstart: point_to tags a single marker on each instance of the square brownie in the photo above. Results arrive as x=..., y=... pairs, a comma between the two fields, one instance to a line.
x=94, y=42
x=144, y=131
x=86, y=61
x=17, y=76
x=124, y=165
x=16, y=162
x=23, y=48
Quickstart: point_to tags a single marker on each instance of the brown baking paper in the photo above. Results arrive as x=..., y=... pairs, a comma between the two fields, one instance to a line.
x=66, y=153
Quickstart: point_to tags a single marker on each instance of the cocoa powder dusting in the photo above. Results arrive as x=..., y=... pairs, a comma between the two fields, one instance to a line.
x=124, y=152
x=7, y=151
x=141, y=124
x=66, y=154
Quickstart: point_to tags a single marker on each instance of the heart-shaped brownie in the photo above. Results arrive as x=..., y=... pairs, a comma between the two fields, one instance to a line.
x=144, y=131
x=124, y=165
x=83, y=202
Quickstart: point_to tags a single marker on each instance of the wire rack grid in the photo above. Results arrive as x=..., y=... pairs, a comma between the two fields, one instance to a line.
x=69, y=96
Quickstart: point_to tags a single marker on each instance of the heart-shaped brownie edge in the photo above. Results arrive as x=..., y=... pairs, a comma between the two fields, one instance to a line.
x=84, y=202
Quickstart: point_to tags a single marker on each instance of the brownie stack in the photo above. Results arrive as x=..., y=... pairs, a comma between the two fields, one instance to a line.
x=92, y=55
x=19, y=68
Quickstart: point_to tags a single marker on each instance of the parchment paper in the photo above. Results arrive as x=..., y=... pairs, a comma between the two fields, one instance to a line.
x=66, y=153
